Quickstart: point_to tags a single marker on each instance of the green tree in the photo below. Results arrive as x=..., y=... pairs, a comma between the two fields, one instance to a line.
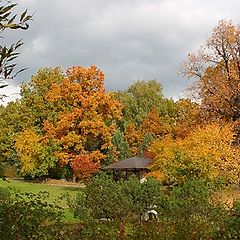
x=121, y=147
x=27, y=113
x=139, y=99
x=33, y=104
x=10, y=124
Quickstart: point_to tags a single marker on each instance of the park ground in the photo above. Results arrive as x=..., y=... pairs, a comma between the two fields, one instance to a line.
x=57, y=189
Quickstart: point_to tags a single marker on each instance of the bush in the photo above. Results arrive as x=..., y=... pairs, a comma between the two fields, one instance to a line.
x=190, y=212
x=117, y=202
x=28, y=216
x=10, y=171
x=231, y=228
x=105, y=198
x=186, y=211
x=102, y=198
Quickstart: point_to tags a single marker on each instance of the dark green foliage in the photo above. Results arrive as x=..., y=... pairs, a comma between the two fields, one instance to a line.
x=112, y=210
x=28, y=216
x=190, y=212
x=105, y=201
x=105, y=198
x=231, y=228
x=184, y=212
x=121, y=144
x=95, y=230
x=147, y=139
x=148, y=231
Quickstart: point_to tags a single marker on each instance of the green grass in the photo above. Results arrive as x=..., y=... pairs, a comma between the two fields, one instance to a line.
x=54, y=192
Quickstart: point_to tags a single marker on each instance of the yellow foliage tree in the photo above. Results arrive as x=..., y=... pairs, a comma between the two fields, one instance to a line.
x=187, y=118
x=35, y=155
x=205, y=153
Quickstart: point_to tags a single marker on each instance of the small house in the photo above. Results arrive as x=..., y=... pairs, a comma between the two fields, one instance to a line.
x=135, y=165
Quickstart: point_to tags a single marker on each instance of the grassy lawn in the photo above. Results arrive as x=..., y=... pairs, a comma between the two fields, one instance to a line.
x=54, y=192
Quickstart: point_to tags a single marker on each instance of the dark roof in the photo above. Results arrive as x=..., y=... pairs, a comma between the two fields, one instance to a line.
x=131, y=163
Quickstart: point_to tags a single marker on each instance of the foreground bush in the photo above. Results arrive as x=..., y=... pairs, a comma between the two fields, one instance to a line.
x=28, y=216
x=105, y=198
x=186, y=211
x=191, y=213
x=109, y=210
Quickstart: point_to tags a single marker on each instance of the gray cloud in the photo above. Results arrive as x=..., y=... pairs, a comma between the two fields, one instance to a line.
x=128, y=39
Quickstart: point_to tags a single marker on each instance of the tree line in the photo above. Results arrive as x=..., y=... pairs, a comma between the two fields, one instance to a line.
x=67, y=124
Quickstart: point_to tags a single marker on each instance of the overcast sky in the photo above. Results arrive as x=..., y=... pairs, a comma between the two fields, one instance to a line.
x=128, y=39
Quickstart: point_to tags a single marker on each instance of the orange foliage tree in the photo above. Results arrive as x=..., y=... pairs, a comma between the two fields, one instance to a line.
x=154, y=124
x=217, y=69
x=205, y=153
x=84, y=166
x=187, y=118
x=134, y=138
x=86, y=122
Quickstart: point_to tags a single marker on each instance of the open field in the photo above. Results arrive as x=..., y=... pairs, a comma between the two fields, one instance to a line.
x=55, y=190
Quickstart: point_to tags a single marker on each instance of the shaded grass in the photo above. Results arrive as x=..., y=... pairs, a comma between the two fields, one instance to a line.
x=55, y=192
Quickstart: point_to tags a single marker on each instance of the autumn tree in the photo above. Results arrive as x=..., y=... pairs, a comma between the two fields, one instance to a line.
x=216, y=67
x=146, y=114
x=205, y=153
x=154, y=124
x=69, y=119
x=28, y=115
x=33, y=105
x=134, y=138
x=36, y=153
x=187, y=117
x=85, y=125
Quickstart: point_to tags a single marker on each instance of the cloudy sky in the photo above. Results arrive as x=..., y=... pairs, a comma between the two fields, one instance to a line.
x=129, y=39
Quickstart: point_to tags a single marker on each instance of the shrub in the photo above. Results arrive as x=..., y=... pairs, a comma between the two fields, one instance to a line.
x=10, y=171
x=186, y=211
x=105, y=198
x=28, y=216
x=231, y=228
x=102, y=198
x=190, y=212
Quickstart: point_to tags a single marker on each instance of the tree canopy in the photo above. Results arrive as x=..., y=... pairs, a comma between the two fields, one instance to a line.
x=217, y=69
x=205, y=153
